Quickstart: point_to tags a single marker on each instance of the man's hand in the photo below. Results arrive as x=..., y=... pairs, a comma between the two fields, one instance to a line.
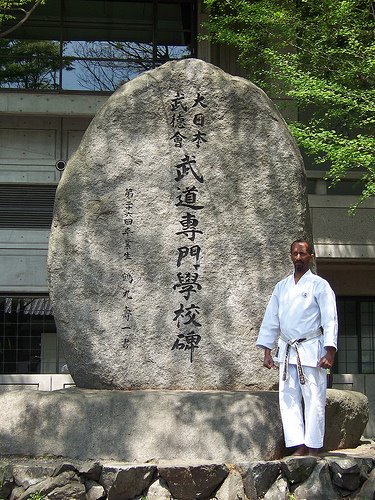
x=327, y=360
x=268, y=360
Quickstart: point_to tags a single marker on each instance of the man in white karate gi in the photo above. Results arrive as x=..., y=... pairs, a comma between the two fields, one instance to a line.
x=302, y=317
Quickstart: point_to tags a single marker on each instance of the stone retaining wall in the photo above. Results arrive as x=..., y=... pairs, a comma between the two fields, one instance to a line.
x=331, y=477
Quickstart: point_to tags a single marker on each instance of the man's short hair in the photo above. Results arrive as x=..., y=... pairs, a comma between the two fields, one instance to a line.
x=310, y=248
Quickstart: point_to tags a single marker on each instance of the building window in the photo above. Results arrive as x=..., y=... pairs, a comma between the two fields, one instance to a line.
x=28, y=342
x=356, y=344
x=96, y=45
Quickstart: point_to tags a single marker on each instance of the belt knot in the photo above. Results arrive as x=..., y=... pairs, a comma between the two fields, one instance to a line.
x=295, y=343
x=301, y=375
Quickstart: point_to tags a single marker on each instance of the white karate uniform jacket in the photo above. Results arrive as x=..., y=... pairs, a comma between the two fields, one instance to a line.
x=296, y=310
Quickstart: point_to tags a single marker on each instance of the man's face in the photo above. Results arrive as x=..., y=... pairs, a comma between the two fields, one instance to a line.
x=301, y=257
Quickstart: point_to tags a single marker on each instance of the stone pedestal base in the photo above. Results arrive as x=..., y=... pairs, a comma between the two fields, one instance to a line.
x=141, y=426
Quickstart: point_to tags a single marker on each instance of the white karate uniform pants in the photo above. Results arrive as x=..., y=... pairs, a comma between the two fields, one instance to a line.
x=303, y=427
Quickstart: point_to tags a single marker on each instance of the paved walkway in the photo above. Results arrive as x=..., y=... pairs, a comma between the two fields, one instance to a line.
x=365, y=450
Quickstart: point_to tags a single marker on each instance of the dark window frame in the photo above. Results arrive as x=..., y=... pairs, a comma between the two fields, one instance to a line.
x=342, y=354
x=15, y=333
x=63, y=24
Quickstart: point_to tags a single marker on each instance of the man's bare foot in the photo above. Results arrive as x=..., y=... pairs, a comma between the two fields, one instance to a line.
x=300, y=451
x=313, y=452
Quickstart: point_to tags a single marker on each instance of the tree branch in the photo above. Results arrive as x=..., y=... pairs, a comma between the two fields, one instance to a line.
x=20, y=23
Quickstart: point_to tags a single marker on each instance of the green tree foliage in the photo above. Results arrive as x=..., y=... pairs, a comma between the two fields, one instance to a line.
x=321, y=53
x=29, y=64
x=24, y=63
x=13, y=13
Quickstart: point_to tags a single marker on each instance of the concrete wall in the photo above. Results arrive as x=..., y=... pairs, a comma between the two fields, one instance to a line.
x=23, y=103
x=30, y=146
x=23, y=260
x=338, y=235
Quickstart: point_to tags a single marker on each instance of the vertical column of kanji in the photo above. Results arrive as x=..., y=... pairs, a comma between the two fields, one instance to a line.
x=127, y=278
x=188, y=122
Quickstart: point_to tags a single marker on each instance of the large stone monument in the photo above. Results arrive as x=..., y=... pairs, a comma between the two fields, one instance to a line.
x=172, y=224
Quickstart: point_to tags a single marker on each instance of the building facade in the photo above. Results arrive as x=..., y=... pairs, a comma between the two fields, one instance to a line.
x=55, y=72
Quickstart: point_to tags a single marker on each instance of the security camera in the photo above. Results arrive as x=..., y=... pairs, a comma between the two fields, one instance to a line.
x=60, y=165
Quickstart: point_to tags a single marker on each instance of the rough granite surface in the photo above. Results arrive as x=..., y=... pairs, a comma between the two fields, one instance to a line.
x=172, y=224
x=145, y=426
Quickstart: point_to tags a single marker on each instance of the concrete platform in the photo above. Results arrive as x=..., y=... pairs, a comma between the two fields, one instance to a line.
x=144, y=426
